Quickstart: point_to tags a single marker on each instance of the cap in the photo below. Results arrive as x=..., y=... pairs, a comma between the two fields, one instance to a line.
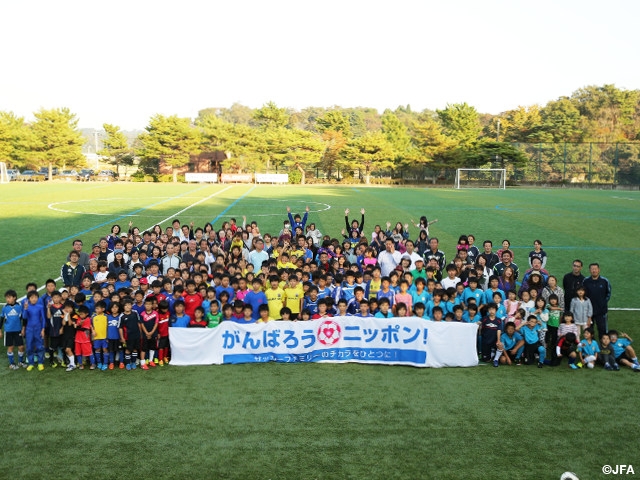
x=419, y=260
x=95, y=245
x=144, y=281
x=118, y=250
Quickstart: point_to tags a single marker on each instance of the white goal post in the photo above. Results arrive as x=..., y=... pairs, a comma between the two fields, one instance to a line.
x=481, y=178
x=4, y=175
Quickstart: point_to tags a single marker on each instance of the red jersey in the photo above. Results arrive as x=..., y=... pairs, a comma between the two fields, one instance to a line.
x=191, y=302
x=163, y=324
x=149, y=320
x=83, y=330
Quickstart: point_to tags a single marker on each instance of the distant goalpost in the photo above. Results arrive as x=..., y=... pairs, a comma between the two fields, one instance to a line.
x=4, y=175
x=481, y=178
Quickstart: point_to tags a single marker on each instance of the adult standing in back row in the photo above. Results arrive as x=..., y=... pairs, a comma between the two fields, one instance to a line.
x=598, y=290
x=570, y=283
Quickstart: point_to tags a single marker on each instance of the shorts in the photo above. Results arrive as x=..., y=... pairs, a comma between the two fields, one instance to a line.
x=624, y=356
x=133, y=344
x=150, y=343
x=100, y=344
x=114, y=345
x=163, y=342
x=68, y=341
x=83, y=349
x=56, y=342
x=13, y=339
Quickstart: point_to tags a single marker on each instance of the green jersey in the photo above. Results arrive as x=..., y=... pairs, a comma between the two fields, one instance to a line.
x=213, y=320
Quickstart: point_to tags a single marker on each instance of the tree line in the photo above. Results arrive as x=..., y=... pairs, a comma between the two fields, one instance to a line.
x=334, y=139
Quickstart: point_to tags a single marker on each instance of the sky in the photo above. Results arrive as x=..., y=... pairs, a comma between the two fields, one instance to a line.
x=121, y=62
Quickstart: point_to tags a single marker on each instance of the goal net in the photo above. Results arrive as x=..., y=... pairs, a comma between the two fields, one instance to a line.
x=481, y=178
x=4, y=175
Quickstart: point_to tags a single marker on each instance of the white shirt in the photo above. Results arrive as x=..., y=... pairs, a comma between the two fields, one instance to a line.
x=388, y=261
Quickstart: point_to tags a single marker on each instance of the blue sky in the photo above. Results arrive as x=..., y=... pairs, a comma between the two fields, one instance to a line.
x=122, y=62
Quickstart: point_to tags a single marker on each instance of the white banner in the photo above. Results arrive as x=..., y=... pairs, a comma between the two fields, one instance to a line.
x=397, y=341
x=201, y=177
x=272, y=178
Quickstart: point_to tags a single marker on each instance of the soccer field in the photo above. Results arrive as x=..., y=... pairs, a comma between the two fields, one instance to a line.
x=321, y=420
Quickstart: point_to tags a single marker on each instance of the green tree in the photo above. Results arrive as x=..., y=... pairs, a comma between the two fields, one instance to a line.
x=270, y=116
x=56, y=139
x=430, y=144
x=492, y=154
x=372, y=152
x=171, y=140
x=397, y=135
x=560, y=121
x=116, y=147
x=15, y=140
x=461, y=122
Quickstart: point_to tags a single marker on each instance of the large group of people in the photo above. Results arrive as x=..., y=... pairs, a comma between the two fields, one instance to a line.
x=115, y=303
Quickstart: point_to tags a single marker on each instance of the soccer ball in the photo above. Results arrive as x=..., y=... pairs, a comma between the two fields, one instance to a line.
x=569, y=476
x=328, y=333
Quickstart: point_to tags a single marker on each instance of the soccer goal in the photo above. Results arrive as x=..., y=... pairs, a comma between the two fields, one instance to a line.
x=481, y=178
x=4, y=175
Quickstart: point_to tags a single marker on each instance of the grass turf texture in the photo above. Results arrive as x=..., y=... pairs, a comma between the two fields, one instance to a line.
x=323, y=421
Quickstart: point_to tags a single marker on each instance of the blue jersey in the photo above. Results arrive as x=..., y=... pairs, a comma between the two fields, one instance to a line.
x=466, y=318
x=477, y=294
x=424, y=297
x=34, y=316
x=311, y=305
x=12, y=317
x=391, y=295
x=501, y=312
x=345, y=291
x=620, y=345
x=589, y=348
x=530, y=334
x=113, y=327
x=488, y=295
x=180, y=322
x=255, y=300
x=229, y=290
x=428, y=311
x=510, y=342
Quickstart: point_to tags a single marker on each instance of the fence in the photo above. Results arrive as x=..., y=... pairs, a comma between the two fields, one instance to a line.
x=579, y=164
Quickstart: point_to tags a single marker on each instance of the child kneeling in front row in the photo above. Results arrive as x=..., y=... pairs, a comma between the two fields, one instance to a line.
x=532, y=345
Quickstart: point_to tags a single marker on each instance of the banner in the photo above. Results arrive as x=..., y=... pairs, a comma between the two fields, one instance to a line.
x=272, y=178
x=395, y=341
x=201, y=177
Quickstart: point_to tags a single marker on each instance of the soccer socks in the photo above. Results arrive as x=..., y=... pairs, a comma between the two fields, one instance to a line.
x=541, y=352
x=20, y=357
x=79, y=360
x=151, y=355
x=112, y=356
x=72, y=360
x=12, y=360
x=497, y=355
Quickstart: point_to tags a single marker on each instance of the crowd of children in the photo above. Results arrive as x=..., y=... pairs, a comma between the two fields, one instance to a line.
x=117, y=303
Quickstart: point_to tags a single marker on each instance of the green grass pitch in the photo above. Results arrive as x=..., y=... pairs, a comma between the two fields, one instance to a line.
x=307, y=421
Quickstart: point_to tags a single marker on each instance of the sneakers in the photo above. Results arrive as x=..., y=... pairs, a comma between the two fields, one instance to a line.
x=616, y=367
x=540, y=364
x=573, y=366
x=151, y=364
x=133, y=366
x=112, y=366
x=22, y=365
x=104, y=367
x=161, y=363
x=496, y=363
x=636, y=368
x=80, y=367
x=128, y=366
x=92, y=367
x=122, y=366
x=71, y=368
x=30, y=367
x=100, y=366
x=607, y=366
x=579, y=364
x=13, y=366
x=40, y=367
x=54, y=364
x=144, y=366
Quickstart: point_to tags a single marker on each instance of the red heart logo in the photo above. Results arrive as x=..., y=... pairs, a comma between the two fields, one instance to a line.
x=328, y=332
